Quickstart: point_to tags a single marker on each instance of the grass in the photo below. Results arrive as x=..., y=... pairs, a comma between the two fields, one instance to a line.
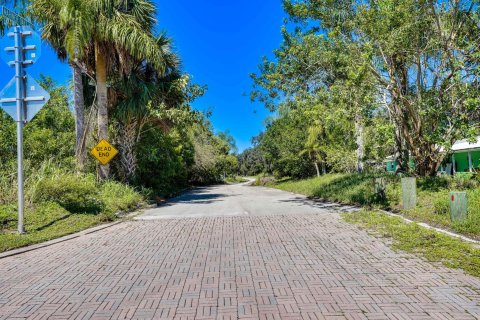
x=412, y=238
x=61, y=203
x=45, y=222
x=235, y=180
x=432, y=195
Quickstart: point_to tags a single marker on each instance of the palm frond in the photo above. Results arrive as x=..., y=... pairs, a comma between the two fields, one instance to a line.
x=121, y=30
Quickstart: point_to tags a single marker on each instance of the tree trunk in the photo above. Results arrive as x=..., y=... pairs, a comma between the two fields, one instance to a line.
x=425, y=163
x=360, y=142
x=127, y=141
x=401, y=151
x=102, y=105
x=316, y=168
x=79, y=106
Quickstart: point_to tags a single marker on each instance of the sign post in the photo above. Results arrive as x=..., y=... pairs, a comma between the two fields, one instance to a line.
x=22, y=97
x=458, y=206
x=20, y=122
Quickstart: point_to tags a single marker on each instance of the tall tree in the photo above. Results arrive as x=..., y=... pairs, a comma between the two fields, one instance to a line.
x=110, y=34
x=310, y=65
x=227, y=137
x=429, y=73
x=19, y=6
x=423, y=59
x=142, y=97
x=62, y=22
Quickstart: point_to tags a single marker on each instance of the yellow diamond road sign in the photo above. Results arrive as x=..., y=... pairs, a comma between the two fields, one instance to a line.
x=104, y=152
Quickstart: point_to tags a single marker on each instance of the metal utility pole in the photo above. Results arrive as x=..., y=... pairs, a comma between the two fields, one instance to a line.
x=20, y=92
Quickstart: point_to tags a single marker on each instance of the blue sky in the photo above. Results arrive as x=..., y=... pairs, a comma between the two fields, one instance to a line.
x=220, y=43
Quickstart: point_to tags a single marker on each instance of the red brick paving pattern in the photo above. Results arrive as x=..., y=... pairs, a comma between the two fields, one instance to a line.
x=269, y=267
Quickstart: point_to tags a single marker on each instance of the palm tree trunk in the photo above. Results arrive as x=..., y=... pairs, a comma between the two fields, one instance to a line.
x=316, y=168
x=102, y=106
x=127, y=140
x=79, y=105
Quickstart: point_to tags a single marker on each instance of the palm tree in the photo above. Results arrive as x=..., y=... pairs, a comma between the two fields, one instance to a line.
x=314, y=149
x=112, y=34
x=139, y=99
x=19, y=6
x=61, y=22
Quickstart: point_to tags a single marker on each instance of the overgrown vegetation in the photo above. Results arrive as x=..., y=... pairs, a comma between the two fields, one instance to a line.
x=235, y=180
x=412, y=238
x=433, y=196
x=128, y=88
x=59, y=195
x=60, y=208
x=356, y=81
x=58, y=199
x=45, y=221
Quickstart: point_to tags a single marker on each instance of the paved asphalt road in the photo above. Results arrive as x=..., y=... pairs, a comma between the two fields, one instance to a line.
x=232, y=252
x=237, y=200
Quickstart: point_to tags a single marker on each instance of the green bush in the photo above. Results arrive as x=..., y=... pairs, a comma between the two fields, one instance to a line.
x=262, y=181
x=433, y=183
x=118, y=197
x=171, y=158
x=8, y=217
x=59, y=201
x=345, y=188
x=463, y=181
x=75, y=193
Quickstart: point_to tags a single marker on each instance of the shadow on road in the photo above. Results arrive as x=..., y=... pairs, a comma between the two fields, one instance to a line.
x=199, y=196
x=314, y=204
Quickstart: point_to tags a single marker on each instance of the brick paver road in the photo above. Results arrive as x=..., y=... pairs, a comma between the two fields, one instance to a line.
x=246, y=266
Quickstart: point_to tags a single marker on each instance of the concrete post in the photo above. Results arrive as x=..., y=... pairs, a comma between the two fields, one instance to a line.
x=458, y=206
x=409, y=193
